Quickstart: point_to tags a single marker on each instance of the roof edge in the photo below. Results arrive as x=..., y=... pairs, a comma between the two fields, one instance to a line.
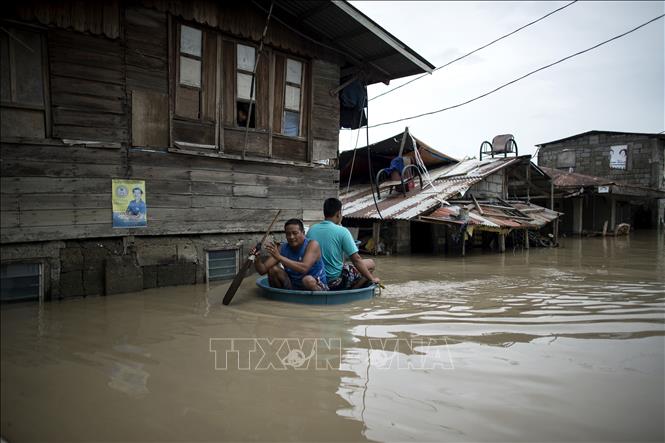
x=384, y=35
x=652, y=134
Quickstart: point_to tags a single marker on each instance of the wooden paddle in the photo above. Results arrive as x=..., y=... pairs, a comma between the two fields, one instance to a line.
x=250, y=259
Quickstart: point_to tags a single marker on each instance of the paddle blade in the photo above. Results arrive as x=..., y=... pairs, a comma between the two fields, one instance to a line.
x=236, y=282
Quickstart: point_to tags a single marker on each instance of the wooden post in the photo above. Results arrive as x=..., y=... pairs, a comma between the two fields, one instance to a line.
x=578, y=212
x=613, y=213
x=526, y=239
x=556, y=231
x=552, y=196
x=219, y=132
x=502, y=242
x=528, y=182
x=376, y=235
x=401, y=145
x=463, y=237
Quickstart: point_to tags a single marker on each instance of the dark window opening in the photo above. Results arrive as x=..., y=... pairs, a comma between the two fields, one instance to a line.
x=22, y=88
x=242, y=110
x=422, y=241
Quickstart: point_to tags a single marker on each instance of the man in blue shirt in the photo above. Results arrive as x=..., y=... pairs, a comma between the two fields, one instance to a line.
x=302, y=267
x=336, y=242
x=136, y=207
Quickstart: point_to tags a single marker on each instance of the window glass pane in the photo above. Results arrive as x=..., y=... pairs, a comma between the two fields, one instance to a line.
x=291, y=123
x=20, y=281
x=246, y=57
x=4, y=67
x=29, y=84
x=292, y=98
x=190, y=72
x=293, y=71
x=190, y=40
x=221, y=265
x=244, y=84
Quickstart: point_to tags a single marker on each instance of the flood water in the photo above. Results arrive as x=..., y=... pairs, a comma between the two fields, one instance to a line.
x=562, y=344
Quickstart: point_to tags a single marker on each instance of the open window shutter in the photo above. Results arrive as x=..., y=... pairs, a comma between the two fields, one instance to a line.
x=229, y=95
x=187, y=99
x=279, y=93
x=209, y=75
x=263, y=90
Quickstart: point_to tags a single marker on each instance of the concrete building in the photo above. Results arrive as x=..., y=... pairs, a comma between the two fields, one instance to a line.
x=607, y=176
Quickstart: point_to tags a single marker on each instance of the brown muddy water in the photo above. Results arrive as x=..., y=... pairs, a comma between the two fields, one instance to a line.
x=559, y=344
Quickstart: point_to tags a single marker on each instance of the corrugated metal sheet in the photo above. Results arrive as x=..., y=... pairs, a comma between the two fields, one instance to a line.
x=449, y=182
x=519, y=215
x=563, y=179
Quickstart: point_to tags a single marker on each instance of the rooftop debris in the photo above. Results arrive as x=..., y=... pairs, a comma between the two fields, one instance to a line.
x=448, y=182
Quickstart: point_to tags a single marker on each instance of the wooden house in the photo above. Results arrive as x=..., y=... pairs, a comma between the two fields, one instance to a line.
x=224, y=111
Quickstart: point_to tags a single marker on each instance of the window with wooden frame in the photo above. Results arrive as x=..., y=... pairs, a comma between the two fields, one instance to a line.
x=195, y=87
x=293, y=98
x=190, y=57
x=23, y=87
x=246, y=85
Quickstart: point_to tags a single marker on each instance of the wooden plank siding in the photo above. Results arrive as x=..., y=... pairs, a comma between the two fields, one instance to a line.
x=57, y=192
x=325, y=110
x=87, y=87
x=114, y=83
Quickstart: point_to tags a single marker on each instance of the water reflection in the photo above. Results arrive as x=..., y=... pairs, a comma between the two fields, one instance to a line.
x=538, y=345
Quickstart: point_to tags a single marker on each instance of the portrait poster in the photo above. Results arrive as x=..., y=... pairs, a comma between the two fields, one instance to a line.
x=618, y=155
x=129, y=204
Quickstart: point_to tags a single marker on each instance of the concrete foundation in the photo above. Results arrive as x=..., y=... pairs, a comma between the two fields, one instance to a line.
x=120, y=265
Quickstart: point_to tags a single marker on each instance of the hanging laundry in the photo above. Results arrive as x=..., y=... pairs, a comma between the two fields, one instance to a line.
x=352, y=101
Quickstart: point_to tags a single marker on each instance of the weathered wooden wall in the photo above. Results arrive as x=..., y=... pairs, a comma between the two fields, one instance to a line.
x=325, y=111
x=61, y=192
x=116, y=90
x=110, y=80
x=87, y=87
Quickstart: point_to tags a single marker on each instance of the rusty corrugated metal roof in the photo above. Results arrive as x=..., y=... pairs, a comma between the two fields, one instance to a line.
x=518, y=215
x=564, y=179
x=449, y=182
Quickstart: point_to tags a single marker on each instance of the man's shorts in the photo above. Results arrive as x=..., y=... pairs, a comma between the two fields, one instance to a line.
x=346, y=279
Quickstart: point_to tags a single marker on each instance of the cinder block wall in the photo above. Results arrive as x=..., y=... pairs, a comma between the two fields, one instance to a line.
x=110, y=266
x=490, y=187
x=645, y=162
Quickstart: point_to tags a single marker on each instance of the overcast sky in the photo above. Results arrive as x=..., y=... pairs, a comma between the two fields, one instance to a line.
x=617, y=87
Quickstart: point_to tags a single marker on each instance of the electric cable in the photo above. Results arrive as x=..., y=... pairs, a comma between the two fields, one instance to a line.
x=475, y=50
x=522, y=77
x=369, y=163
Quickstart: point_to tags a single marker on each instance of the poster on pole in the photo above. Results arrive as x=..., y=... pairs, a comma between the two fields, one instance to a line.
x=129, y=204
x=618, y=155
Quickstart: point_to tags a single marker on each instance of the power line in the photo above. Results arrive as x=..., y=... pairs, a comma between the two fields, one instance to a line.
x=522, y=77
x=474, y=51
